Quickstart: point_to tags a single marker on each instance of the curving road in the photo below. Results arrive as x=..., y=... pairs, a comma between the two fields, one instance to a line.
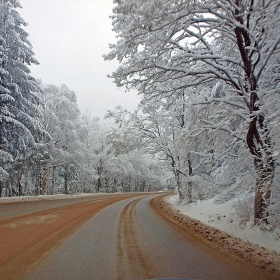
x=127, y=240
x=29, y=230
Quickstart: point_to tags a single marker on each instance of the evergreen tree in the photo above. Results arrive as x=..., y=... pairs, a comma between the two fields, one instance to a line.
x=20, y=128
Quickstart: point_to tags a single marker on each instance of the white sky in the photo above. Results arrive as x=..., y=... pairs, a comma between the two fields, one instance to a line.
x=69, y=38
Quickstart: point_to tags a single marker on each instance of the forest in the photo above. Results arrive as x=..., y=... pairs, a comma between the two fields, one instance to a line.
x=207, y=73
x=47, y=145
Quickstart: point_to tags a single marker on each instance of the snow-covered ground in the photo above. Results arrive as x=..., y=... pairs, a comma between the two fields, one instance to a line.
x=43, y=197
x=225, y=217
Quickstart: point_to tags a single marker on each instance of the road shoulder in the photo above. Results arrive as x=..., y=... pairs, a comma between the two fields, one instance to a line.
x=266, y=261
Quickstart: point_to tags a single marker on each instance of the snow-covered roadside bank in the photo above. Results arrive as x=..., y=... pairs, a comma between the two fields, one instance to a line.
x=224, y=217
x=267, y=261
x=44, y=197
x=51, y=197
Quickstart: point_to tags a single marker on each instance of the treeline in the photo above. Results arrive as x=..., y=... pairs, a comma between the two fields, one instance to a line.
x=46, y=145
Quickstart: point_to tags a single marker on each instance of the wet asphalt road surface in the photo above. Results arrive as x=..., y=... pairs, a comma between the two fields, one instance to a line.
x=127, y=240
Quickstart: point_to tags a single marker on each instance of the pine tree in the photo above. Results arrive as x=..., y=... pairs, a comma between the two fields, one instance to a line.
x=20, y=128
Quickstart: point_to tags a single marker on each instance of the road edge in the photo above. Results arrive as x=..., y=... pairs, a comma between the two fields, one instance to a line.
x=265, y=260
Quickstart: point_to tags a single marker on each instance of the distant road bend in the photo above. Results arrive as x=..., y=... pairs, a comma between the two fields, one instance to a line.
x=104, y=237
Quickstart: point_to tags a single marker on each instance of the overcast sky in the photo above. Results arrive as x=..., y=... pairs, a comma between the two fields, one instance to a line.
x=69, y=38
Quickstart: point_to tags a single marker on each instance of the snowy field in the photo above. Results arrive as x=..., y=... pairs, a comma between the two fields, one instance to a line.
x=225, y=217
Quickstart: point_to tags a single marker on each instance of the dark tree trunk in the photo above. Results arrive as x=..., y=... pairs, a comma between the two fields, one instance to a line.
x=44, y=180
x=38, y=180
x=259, y=144
x=264, y=179
x=258, y=139
x=65, y=182
x=98, y=184
x=177, y=177
x=20, y=186
x=14, y=193
x=190, y=167
x=107, y=185
x=144, y=185
x=115, y=185
x=53, y=179
x=129, y=183
x=179, y=185
x=190, y=182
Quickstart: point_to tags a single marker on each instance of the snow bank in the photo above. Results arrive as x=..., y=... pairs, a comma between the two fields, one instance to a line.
x=44, y=197
x=225, y=217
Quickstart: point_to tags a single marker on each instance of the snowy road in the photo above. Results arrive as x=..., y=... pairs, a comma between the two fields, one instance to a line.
x=127, y=240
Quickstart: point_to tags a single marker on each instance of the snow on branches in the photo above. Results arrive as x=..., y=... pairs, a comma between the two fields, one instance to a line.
x=188, y=48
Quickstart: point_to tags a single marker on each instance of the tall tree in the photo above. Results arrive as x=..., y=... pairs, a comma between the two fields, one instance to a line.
x=60, y=118
x=19, y=110
x=165, y=49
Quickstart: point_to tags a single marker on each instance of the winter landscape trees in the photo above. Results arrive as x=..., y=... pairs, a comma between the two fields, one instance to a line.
x=219, y=55
x=46, y=145
x=208, y=76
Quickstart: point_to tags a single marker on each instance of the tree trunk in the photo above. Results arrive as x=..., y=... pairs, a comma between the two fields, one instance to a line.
x=189, y=184
x=53, y=180
x=177, y=177
x=107, y=185
x=20, y=185
x=258, y=139
x=144, y=185
x=44, y=180
x=38, y=180
x=259, y=144
x=190, y=167
x=179, y=185
x=66, y=181
x=98, y=184
x=264, y=179
x=129, y=183
x=115, y=185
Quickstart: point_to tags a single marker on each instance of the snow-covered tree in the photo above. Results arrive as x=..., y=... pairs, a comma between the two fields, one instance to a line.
x=20, y=128
x=61, y=120
x=166, y=50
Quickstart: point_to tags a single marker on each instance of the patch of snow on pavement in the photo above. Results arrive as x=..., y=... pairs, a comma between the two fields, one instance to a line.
x=224, y=217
